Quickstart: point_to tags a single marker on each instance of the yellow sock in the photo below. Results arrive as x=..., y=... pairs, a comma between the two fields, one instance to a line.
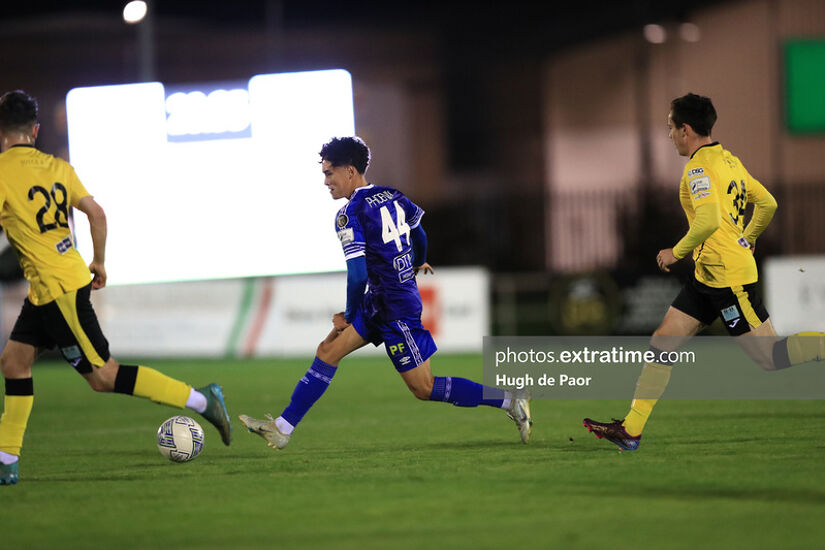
x=806, y=346
x=161, y=388
x=649, y=388
x=17, y=409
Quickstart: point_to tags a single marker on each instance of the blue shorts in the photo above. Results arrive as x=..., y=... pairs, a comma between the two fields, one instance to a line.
x=407, y=342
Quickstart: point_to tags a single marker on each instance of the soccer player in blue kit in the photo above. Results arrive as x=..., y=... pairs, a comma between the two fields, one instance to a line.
x=385, y=248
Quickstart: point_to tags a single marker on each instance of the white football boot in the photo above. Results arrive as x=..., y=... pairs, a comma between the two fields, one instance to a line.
x=266, y=429
x=519, y=412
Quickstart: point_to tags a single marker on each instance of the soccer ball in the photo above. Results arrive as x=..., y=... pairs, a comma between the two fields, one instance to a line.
x=180, y=439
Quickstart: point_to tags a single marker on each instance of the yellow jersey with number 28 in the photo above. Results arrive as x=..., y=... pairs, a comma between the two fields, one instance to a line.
x=715, y=176
x=36, y=190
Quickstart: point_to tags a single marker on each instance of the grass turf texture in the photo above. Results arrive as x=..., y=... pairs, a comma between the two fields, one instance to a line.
x=372, y=467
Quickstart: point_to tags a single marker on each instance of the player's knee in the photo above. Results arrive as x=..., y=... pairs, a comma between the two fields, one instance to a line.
x=323, y=351
x=12, y=367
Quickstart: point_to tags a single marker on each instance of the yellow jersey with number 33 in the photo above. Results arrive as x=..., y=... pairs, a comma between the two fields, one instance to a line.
x=715, y=176
x=36, y=190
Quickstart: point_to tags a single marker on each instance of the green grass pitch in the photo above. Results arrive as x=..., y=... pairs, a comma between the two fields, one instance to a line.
x=372, y=467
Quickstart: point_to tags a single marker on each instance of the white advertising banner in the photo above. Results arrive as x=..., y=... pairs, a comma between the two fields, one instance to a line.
x=795, y=293
x=274, y=316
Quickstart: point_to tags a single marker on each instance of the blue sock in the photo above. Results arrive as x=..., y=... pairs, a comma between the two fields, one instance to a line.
x=465, y=393
x=309, y=389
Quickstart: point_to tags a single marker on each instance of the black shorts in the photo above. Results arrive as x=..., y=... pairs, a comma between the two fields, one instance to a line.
x=69, y=323
x=739, y=307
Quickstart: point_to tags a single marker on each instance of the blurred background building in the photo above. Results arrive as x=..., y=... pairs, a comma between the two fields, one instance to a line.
x=533, y=134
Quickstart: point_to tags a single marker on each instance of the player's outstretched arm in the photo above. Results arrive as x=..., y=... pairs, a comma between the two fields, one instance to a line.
x=425, y=268
x=97, y=227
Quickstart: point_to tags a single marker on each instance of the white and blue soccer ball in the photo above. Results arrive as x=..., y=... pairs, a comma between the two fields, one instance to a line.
x=180, y=439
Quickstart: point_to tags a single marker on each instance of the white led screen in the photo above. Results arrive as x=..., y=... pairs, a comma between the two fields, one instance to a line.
x=211, y=181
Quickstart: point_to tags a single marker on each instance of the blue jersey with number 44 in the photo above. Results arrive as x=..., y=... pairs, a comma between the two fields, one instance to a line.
x=376, y=224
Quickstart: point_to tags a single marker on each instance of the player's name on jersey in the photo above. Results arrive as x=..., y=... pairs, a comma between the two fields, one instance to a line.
x=379, y=198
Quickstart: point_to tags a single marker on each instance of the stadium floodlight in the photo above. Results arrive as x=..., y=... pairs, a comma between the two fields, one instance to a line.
x=134, y=12
x=655, y=34
x=690, y=32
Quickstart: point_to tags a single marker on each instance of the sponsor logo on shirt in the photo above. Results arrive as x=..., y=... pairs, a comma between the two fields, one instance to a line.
x=699, y=184
x=695, y=172
x=346, y=236
x=701, y=196
x=64, y=246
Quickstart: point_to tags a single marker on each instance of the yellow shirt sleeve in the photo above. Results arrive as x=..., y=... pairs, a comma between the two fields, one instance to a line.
x=763, y=210
x=704, y=224
x=76, y=189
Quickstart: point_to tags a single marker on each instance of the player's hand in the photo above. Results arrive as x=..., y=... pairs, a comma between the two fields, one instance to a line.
x=425, y=267
x=665, y=259
x=98, y=275
x=339, y=321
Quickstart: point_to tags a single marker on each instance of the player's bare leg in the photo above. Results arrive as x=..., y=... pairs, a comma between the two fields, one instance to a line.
x=142, y=381
x=426, y=387
x=758, y=344
x=15, y=363
x=419, y=380
x=677, y=328
x=277, y=431
x=771, y=352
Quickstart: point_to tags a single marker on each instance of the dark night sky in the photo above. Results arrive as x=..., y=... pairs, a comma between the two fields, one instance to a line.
x=514, y=25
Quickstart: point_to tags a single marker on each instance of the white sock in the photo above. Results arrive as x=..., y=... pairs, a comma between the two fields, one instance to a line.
x=196, y=401
x=7, y=458
x=283, y=426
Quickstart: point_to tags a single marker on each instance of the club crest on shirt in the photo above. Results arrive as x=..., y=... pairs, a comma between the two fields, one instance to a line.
x=342, y=220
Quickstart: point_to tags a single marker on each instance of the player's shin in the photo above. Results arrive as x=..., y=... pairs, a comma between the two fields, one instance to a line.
x=466, y=393
x=649, y=388
x=308, y=390
x=147, y=382
x=16, y=410
x=799, y=348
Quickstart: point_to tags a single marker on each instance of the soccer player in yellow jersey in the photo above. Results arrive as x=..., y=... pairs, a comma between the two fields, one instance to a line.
x=36, y=193
x=714, y=191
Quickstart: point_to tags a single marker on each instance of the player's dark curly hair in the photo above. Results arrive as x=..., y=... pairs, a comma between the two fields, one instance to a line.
x=18, y=111
x=695, y=110
x=347, y=151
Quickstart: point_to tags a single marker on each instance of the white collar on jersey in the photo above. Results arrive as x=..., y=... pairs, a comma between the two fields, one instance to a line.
x=367, y=186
